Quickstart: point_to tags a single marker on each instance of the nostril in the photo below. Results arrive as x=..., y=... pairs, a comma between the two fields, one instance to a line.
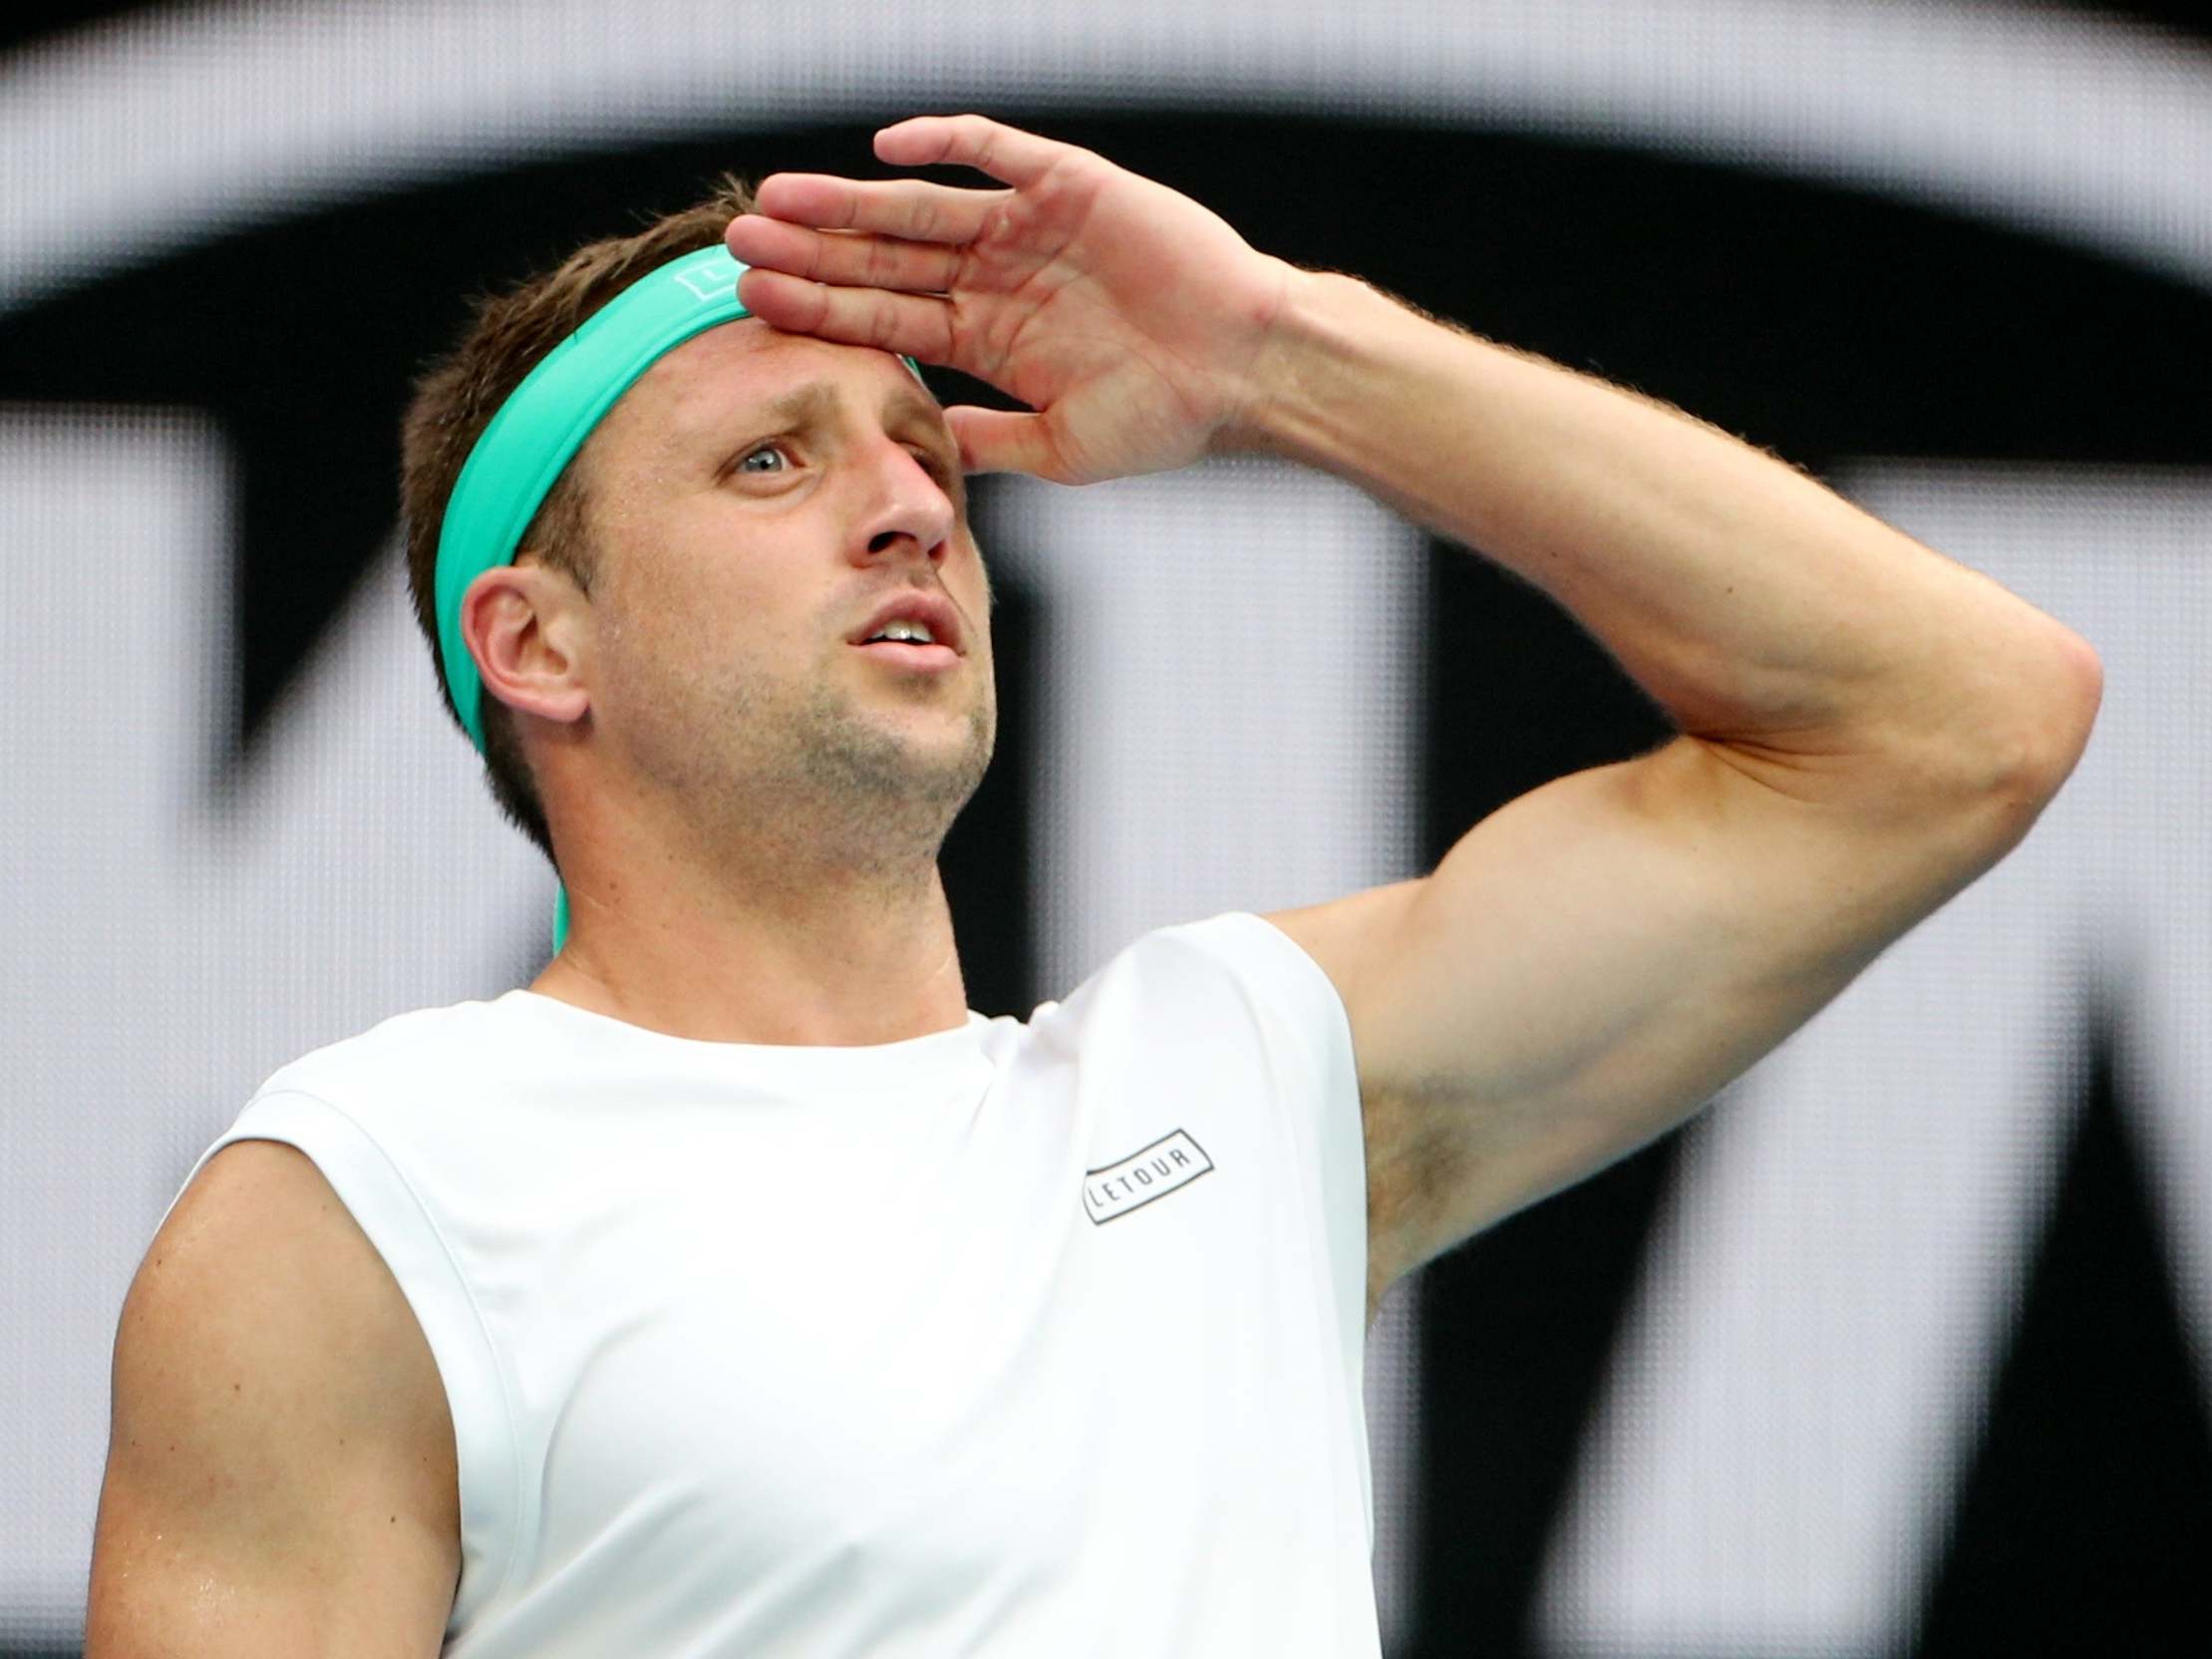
x=891, y=538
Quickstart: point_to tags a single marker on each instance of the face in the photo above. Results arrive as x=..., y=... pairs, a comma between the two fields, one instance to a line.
x=752, y=501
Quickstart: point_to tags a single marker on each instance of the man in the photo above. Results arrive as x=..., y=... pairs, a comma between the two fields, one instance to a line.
x=735, y=1290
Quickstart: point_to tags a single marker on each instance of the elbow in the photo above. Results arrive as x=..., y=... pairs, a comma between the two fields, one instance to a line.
x=2062, y=722
x=2037, y=748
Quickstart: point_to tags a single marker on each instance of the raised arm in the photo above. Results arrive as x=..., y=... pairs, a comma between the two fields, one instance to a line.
x=1866, y=726
x=280, y=1468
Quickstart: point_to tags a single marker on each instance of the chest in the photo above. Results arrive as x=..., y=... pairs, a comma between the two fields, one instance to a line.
x=949, y=1351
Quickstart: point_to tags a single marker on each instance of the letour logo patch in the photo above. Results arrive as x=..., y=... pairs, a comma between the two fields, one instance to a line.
x=1154, y=1172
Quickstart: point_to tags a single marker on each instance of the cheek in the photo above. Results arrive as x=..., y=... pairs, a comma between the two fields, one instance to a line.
x=691, y=596
x=662, y=636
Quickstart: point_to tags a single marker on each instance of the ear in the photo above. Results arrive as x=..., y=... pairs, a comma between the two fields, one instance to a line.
x=528, y=628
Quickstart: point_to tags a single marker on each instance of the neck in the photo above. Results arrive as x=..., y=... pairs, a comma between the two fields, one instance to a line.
x=785, y=950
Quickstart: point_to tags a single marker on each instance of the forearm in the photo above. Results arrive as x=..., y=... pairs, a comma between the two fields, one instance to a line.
x=1756, y=607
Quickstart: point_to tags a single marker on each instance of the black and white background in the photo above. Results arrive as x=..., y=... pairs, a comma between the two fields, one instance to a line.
x=1901, y=1350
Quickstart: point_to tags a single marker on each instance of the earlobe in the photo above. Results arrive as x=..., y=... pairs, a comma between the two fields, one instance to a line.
x=525, y=627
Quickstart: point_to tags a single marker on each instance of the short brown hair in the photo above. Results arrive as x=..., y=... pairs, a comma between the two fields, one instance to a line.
x=509, y=335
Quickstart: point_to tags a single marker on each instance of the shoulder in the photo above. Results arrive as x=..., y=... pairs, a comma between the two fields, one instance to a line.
x=1277, y=973
x=406, y=1052
x=257, y=1250
x=1231, y=993
x=1243, y=982
x=1287, y=946
x=270, y=1382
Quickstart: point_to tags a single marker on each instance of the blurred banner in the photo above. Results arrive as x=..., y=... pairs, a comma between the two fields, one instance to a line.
x=1900, y=1351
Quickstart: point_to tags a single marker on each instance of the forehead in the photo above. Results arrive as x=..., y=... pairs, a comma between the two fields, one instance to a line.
x=739, y=369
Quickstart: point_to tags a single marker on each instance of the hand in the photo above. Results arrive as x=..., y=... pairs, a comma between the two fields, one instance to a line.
x=1130, y=318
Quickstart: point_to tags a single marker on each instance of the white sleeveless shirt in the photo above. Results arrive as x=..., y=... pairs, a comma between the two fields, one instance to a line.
x=1022, y=1338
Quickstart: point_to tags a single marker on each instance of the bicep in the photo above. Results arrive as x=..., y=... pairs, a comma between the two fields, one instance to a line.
x=279, y=1474
x=1596, y=959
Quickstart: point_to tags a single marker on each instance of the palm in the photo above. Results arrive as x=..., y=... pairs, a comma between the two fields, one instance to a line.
x=1127, y=315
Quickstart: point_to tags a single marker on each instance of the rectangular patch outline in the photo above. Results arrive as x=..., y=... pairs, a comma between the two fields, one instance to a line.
x=1137, y=1156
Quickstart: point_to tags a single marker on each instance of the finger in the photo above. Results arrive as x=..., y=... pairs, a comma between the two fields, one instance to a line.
x=909, y=324
x=842, y=257
x=1005, y=152
x=910, y=208
x=1006, y=441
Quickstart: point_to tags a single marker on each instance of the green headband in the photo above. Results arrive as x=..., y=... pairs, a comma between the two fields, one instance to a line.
x=538, y=430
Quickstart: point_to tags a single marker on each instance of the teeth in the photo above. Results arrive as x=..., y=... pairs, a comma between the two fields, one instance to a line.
x=917, y=631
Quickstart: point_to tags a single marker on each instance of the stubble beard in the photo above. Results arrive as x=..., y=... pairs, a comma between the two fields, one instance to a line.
x=826, y=792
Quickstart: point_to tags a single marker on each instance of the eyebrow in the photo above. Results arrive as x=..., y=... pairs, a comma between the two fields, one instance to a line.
x=816, y=401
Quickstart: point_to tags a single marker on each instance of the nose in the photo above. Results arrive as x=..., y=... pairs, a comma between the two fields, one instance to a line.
x=911, y=510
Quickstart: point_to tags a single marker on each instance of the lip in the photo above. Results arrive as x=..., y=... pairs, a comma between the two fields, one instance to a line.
x=925, y=659
x=913, y=606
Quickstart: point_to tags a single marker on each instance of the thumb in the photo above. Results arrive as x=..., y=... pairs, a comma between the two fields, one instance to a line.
x=1005, y=440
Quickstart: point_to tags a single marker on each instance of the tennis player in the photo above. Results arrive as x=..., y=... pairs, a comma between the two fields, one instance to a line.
x=733, y=1289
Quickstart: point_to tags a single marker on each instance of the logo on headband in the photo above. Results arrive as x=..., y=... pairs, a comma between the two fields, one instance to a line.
x=705, y=283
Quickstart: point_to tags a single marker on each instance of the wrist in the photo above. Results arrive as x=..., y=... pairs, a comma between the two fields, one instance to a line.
x=1308, y=375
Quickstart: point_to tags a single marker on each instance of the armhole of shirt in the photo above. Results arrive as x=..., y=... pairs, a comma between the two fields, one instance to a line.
x=387, y=1208
x=1309, y=1016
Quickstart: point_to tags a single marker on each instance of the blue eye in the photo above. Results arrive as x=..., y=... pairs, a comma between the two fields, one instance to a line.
x=744, y=461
